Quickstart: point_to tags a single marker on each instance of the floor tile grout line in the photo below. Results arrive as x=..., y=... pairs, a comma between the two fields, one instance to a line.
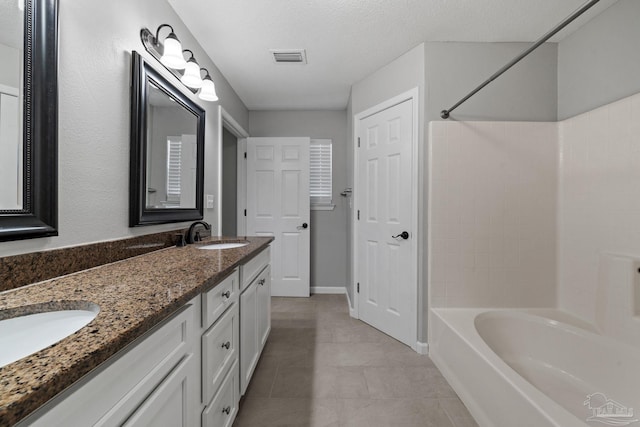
x=273, y=382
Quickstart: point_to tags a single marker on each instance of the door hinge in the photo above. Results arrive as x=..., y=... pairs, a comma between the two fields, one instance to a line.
x=358, y=214
x=245, y=154
x=245, y=212
x=358, y=288
x=358, y=142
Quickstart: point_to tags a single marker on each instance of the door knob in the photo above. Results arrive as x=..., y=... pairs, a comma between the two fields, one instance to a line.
x=304, y=225
x=404, y=235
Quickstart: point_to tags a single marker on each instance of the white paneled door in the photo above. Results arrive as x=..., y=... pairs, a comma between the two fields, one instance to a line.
x=386, y=261
x=278, y=205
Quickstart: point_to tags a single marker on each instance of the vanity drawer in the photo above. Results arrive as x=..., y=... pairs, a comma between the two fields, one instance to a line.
x=223, y=408
x=253, y=267
x=218, y=299
x=219, y=351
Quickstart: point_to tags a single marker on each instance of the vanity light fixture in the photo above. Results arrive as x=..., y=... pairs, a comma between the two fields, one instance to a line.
x=191, y=77
x=208, y=90
x=171, y=55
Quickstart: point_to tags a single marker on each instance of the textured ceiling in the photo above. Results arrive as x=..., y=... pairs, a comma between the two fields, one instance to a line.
x=346, y=40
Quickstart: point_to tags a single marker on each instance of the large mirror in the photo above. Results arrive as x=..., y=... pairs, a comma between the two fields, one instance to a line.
x=28, y=118
x=167, y=150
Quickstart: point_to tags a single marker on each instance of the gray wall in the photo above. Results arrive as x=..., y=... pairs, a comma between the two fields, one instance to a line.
x=600, y=62
x=229, y=184
x=96, y=38
x=328, y=228
x=526, y=92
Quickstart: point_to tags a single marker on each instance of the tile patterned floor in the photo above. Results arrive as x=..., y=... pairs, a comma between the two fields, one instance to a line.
x=321, y=368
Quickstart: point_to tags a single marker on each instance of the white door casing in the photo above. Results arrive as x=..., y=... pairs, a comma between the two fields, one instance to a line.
x=278, y=205
x=225, y=120
x=385, y=190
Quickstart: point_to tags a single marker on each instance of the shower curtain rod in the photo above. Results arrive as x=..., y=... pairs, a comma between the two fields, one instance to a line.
x=445, y=113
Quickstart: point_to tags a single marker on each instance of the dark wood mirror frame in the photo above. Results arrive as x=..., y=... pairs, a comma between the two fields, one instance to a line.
x=139, y=214
x=39, y=214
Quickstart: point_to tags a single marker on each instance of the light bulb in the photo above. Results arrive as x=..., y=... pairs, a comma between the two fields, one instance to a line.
x=208, y=91
x=191, y=77
x=172, y=53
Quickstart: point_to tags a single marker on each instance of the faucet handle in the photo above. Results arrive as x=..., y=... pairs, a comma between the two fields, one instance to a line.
x=197, y=237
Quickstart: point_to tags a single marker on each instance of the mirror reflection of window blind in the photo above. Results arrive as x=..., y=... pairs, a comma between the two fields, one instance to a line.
x=174, y=167
x=320, y=171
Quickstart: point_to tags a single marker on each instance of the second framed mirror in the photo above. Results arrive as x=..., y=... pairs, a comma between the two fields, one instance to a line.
x=167, y=150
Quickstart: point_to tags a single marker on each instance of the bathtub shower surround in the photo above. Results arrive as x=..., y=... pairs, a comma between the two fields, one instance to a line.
x=520, y=213
x=599, y=216
x=492, y=214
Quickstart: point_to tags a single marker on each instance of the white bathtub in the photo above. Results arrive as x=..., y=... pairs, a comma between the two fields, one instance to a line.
x=534, y=368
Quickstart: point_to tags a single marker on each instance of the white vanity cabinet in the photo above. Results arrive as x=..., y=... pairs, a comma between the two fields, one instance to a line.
x=187, y=371
x=152, y=382
x=255, y=314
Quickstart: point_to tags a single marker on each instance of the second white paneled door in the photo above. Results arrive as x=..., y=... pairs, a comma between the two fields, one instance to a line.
x=386, y=261
x=278, y=205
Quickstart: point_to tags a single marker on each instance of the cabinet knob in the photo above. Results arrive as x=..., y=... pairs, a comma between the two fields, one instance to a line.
x=226, y=345
x=226, y=294
x=226, y=410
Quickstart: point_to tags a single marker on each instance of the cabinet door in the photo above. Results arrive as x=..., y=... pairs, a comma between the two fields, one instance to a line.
x=170, y=404
x=264, y=307
x=248, y=334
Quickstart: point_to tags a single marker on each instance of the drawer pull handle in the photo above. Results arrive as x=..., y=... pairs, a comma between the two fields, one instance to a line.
x=226, y=294
x=226, y=410
x=226, y=345
x=261, y=281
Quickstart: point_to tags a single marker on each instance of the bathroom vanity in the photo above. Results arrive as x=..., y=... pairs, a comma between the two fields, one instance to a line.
x=175, y=343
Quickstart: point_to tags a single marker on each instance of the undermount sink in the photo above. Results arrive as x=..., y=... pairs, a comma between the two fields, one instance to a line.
x=26, y=330
x=232, y=245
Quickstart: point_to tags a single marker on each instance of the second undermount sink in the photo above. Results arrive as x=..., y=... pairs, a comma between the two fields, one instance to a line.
x=26, y=330
x=229, y=245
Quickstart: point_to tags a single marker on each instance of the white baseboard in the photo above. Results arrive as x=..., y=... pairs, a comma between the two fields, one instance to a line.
x=352, y=310
x=352, y=313
x=337, y=290
x=422, y=348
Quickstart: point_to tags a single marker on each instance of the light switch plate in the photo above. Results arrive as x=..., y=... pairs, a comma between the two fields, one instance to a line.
x=209, y=201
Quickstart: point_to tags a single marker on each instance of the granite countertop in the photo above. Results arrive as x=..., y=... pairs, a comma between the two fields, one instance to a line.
x=133, y=295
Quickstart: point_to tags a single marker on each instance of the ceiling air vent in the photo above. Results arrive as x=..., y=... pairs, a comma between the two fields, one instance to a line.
x=289, y=55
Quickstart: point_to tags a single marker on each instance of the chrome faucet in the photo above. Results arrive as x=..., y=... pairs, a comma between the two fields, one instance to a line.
x=190, y=237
